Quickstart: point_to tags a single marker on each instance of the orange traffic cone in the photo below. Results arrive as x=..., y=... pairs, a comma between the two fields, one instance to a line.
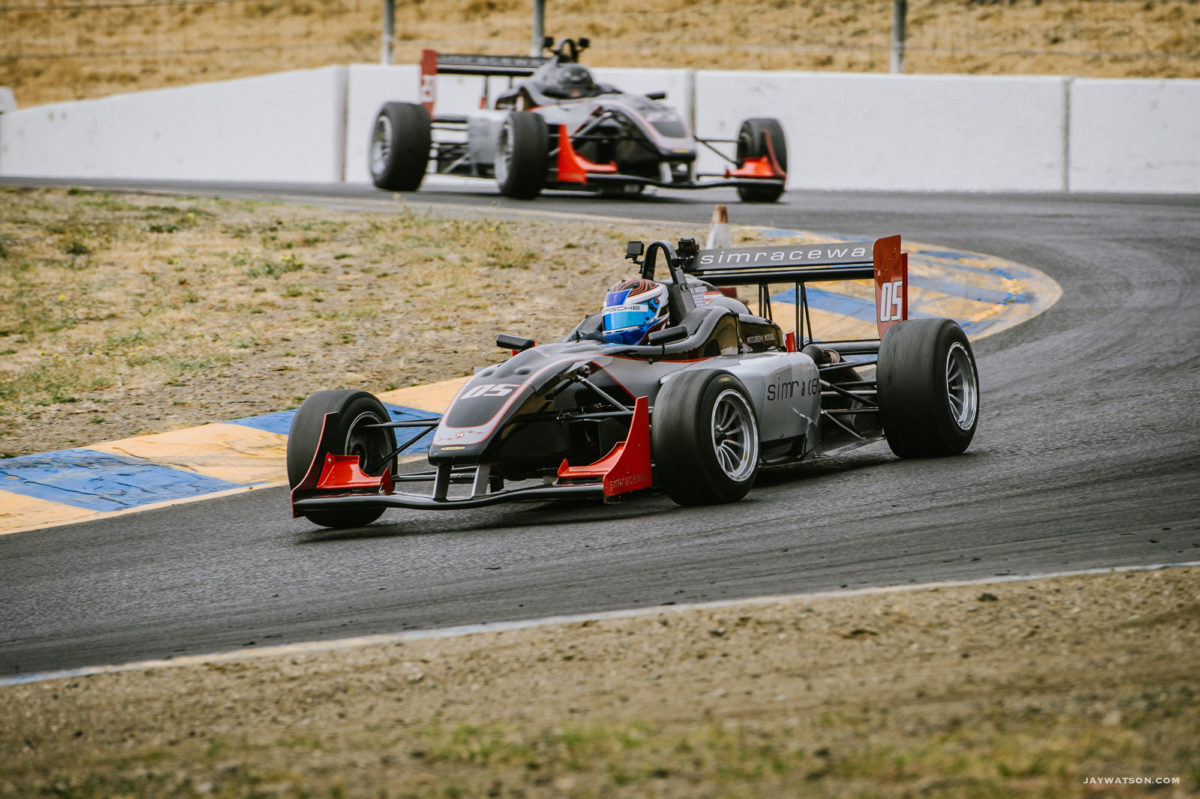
x=718, y=233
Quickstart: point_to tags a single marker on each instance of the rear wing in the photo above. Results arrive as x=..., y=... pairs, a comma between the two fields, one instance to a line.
x=880, y=260
x=434, y=63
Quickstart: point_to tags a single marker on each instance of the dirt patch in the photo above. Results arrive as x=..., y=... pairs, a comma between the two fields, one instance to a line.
x=1065, y=687
x=69, y=51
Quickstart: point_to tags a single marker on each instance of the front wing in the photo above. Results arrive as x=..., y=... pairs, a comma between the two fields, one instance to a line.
x=337, y=482
x=573, y=170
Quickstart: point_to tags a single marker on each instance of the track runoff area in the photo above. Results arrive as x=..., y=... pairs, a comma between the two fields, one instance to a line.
x=984, y=294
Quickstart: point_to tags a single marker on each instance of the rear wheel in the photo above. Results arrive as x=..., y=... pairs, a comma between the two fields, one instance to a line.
x=400, y=141
x=522, y=154
x=375, y=448
x=752, y=143
x=704, y=438
x=928, y=388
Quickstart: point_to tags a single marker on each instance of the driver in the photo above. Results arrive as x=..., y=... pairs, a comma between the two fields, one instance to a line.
x=633, y=309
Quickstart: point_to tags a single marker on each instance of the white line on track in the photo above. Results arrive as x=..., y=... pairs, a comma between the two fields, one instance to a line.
x=547, y=621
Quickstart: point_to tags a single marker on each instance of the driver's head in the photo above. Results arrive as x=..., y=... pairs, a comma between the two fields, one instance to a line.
x=576, y=81
x=633, y=309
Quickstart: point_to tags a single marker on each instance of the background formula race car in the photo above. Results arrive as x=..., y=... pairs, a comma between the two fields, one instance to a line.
x=557, y=128
x=696, y=411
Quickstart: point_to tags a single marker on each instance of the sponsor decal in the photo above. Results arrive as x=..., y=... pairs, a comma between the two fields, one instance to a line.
x=788, y=389
x=428, y=90
x=857, y=252
x=629, y=482
x=497, y=61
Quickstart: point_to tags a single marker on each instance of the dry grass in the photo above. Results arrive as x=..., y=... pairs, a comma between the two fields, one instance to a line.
x=58, y=50
x=123, y=314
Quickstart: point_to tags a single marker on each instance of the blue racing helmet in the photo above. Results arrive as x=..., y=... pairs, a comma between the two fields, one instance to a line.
x=633, y=309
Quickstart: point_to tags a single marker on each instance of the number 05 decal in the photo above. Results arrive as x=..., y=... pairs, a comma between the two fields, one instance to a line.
x=891, y=301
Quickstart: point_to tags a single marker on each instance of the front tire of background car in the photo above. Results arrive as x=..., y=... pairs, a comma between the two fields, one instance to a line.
x=399, y=151
x=704, y=438
x=375, y=448
x=522, y=154
x=928, y=388
x=751, y=143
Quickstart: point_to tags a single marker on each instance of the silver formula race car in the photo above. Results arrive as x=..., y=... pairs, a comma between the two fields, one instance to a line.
x=558, y=128
x=714, y=394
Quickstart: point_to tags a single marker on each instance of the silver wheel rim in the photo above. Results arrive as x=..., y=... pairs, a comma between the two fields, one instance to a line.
x=371, y=446
x=381, y=145
x=503, y=154
x=962, y=388
x=735, y=435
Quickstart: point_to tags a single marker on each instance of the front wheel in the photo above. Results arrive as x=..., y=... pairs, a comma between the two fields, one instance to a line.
x=400, y=142
x=928, y=388
x=375, y=447
x=522, y=155
x=704, y=438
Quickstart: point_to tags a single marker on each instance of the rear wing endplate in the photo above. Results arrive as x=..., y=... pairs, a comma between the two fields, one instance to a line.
x=880, y=260
x=434, y=63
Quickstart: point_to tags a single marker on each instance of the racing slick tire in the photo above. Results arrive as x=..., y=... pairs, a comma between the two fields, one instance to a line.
x=704, y=438
x=751, y=143
x=522, y=154
x=375, y=448
x=399, y=149
x=928, y=388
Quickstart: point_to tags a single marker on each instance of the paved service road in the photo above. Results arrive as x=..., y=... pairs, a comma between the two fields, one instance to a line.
x=1086, y=456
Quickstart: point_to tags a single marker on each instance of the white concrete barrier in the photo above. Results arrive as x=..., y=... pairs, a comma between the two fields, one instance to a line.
x=845, y=131
x=901, y=132
x=284, y=127
x=1135, y=136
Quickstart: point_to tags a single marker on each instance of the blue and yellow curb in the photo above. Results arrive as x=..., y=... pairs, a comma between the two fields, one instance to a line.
x=983, y=293
x=113, y=477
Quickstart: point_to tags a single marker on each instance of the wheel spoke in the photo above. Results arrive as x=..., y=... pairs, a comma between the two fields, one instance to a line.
x=954, y=373
x=382, y=145
x=734, y=436
x=961, y=390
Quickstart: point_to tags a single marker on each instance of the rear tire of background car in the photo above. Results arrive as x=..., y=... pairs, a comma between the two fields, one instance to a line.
x=399, y=150
x=522, y=154
x=704, y=438
x=752, y=143
x=928, y=388
x=375, y=448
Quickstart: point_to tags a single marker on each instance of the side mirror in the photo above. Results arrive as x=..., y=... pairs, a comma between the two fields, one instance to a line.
x=667, y=335
x=656, y=95
x=514, y=343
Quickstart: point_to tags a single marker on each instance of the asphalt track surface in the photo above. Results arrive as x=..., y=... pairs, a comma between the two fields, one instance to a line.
x=1087, y=456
